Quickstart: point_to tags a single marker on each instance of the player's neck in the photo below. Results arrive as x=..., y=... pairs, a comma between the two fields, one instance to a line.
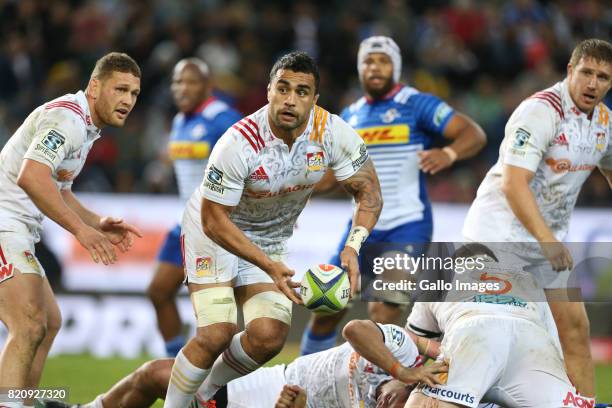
x=287, y=136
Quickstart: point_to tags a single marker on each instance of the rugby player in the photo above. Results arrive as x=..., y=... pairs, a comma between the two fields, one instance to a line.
x=200, y=122
x=553, y=141
x=345, y=376
x=399, y=124
x=236, y=225
x=37, y=169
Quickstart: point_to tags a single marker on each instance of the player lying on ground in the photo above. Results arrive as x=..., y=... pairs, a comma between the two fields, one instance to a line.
x=344, y=376
x=502, y=348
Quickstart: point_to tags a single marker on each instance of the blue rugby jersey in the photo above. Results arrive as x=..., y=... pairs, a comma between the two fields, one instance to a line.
x=192, y=138
x=395, y=128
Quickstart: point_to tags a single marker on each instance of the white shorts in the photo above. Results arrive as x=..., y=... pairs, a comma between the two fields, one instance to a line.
x=17, y=252
x=259, y=389
x=506, y=360
x=207, y=262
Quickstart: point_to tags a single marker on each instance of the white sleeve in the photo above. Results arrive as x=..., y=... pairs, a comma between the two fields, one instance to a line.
x=528, y=134
x=226, y=170
x=400, y=344
x=422, y=321
x=348, y=151
x=56, y=134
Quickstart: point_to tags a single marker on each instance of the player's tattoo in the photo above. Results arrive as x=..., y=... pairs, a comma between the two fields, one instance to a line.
x=364, y=186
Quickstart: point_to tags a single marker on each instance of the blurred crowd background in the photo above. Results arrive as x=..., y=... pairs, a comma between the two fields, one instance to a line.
x=482, y=56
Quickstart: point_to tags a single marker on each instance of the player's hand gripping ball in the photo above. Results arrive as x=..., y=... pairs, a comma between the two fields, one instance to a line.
x=325, y=289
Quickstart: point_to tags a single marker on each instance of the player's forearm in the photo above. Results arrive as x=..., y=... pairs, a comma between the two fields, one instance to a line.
x=524, y=206
x=218, y=227
x=469, y=139
x=90, y=218
x=367, y=340
x=365, y=188
x=44, y=194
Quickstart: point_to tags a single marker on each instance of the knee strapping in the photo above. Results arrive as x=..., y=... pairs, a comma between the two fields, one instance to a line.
x=273, y=305
x=215, y=305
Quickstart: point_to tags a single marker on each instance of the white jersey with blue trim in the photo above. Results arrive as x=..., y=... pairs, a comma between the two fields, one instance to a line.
x=341, y=378
x=395, y=128
x=192, y=138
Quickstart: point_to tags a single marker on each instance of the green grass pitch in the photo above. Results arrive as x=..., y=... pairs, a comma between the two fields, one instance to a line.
x=86, y=377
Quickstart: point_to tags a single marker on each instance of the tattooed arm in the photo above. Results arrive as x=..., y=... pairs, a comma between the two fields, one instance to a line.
x=364, y=187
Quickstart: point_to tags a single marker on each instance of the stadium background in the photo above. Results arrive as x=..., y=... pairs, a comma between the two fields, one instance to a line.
x=482, y=56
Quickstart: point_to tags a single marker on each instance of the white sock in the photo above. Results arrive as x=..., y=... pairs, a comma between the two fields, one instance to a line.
x=234, y=362
x=184, y=382
x=12, y=404
x=97, y=403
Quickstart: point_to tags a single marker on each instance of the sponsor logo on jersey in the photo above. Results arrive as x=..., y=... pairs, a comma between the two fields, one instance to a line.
x=268, y=194
x=561, y=140
x=188, y=150
x=259, y=174
x=565, y=165
x=198, y=131
x=449, y=395
x=397, y=336
x=214, y=177
x=6, y=269
x=442, y=111
x=314, y=161
x=203, y=266
x=521, y=136
x=382, y=135
x=390, y=115
x=361, y=158
x=600, y=143
x=578, y=401
x=53, y=140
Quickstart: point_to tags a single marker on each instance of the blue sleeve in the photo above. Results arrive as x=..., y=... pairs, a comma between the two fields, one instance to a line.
x=432, y=113
x=223, y=121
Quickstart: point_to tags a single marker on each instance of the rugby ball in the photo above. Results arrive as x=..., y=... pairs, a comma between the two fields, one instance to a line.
x=325, y=289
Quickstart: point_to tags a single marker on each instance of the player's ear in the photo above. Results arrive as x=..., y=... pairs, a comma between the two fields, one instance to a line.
x=570, y=69
x=268, y=89
x=94, y=88
x=316, y=98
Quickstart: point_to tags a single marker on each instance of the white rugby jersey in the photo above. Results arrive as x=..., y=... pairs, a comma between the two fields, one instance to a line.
x=59, y=134
x=341, y=378
x=253, y=170
x=548, y=135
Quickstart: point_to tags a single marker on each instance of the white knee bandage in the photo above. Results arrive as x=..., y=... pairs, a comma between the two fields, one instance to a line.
x=215, y=305
x=270, y=304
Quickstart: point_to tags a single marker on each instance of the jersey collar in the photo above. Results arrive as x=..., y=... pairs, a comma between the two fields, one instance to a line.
x=203, y=105
x=388, y=95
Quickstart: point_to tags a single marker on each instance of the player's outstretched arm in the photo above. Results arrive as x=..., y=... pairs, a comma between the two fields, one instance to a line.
x=120, y=233
x=219, y=227
x=367, y=339
x=365, y=188
x=515, y=186
x=467, y=140
x=36, y=180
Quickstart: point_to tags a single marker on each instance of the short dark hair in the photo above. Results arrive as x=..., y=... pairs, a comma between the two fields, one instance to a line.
x=297, y=61
x=115, y=62
x=599, y=50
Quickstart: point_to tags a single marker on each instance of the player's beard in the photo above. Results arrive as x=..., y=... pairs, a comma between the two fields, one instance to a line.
x=377, y=93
